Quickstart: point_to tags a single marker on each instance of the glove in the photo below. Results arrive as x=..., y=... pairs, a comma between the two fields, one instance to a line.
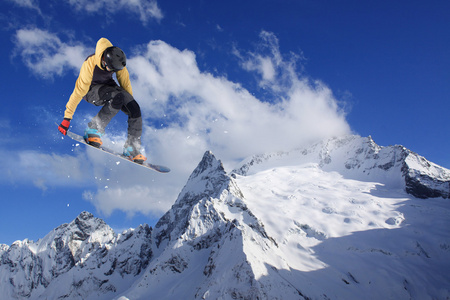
x=64, y=126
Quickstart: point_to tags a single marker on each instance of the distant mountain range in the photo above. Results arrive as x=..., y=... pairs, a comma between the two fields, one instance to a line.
x=342, y=219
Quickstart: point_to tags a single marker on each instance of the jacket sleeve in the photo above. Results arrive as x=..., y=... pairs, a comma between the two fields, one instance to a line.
x=81, y=87
x=123, y=77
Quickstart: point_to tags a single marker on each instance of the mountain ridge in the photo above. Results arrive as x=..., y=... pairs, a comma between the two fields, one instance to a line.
x=331, y=221
x=420, y=178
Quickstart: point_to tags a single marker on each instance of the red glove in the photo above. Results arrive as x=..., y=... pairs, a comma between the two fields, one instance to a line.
x=64, y=126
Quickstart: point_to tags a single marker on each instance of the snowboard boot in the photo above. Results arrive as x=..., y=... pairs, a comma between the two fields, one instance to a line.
x=92, y=137
x=133, y=153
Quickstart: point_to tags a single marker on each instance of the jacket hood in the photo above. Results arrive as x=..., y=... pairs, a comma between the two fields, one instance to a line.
x=102, y=45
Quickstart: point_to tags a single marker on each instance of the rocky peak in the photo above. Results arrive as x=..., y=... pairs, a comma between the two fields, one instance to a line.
x=86, y=224
x=84, y=230
x=207, y=180
x=208, y=188
x=205, y=235
x=209, y=164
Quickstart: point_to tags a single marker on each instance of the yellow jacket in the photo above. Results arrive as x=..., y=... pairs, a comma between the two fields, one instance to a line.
x=84, y=80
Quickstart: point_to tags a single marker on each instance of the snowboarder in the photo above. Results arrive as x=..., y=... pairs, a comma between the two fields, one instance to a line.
x=96, y=85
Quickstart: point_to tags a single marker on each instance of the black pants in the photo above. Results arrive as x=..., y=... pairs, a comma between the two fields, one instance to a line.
x=113, y=99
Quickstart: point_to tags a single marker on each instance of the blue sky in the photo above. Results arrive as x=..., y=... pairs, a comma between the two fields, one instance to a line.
x=234, y=77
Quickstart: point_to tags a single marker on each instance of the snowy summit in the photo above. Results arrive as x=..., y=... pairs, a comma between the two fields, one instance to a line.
x=343, y=219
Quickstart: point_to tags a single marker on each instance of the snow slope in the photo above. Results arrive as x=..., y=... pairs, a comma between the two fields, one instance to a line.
x=347, y=239
x=339, y=220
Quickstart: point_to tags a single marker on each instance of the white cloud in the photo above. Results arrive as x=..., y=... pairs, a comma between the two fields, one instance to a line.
x=32, y=4
x=199, y=110
x=46, y=55
x=144, y=8
x=266, y=63
x=187, y=111
x=129, y=199
x=273, y=70
x=43, y=170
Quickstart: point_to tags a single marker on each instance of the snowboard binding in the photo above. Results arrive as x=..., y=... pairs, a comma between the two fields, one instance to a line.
x=93, y=137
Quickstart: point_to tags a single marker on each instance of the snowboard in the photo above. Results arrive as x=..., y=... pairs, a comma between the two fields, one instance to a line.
x=147, y=165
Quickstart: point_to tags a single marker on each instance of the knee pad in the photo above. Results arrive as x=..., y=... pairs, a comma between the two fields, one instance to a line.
x=133, y=109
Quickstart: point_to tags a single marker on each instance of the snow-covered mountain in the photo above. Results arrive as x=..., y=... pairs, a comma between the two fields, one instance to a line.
x=343, y=219
x=362, y=159
x=84, y=259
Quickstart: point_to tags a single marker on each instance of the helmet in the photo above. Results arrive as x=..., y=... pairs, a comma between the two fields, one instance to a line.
x=114, y=58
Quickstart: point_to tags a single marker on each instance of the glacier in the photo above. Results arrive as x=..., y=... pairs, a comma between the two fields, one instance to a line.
x=341, y=219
